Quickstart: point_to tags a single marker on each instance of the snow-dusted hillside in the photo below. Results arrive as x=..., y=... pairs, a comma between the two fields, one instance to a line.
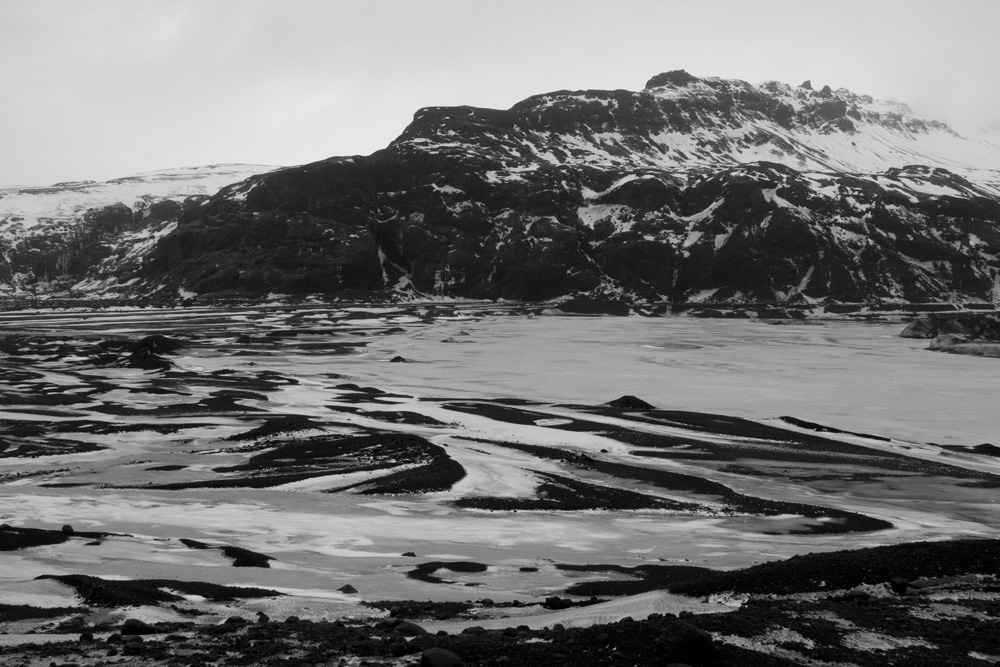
x=42, y=228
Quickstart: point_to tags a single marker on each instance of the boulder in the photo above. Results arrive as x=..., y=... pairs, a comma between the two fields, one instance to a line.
x=556, y=602
x=439, y=657
x=947, y=341
x=133, y=626
x=147, y=353
x=629, y=402
x=921, y=327
x=987, y=449
x=409, y=629
x=684, y=643
x=246, y=558
x=156, y=344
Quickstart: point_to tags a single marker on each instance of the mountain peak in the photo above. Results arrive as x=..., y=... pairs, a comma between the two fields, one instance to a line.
x=676, y=77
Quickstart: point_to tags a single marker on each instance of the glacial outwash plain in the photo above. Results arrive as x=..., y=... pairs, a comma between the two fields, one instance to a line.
x=608, y=378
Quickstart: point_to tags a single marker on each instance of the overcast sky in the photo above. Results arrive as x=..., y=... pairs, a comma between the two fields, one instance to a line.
x=97, y=89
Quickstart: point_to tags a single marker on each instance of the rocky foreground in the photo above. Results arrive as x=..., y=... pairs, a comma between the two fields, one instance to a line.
x=927, y=603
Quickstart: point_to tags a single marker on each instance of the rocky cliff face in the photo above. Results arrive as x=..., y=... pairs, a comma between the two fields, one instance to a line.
x=691, y=190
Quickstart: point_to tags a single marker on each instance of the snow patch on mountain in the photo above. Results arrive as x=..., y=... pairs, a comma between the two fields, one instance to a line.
x=23, y=208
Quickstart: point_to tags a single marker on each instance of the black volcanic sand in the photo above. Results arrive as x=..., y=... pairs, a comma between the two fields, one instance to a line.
x=846, y=569
x=13, y=538
x=563, y=493
x=113, y=593
x=642, y=578
x=425, y=571
x=757, y=441
x=946, y=607
x=300, y=459
x=558, y=492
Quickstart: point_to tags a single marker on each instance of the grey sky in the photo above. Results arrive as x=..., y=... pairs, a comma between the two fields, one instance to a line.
x=95, y=89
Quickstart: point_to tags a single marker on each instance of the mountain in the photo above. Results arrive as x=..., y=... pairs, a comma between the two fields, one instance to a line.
x=76, y=237
x=692, y=190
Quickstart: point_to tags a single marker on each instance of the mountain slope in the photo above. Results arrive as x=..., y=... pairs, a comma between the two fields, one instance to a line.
x=91, y=230
x=691, y=190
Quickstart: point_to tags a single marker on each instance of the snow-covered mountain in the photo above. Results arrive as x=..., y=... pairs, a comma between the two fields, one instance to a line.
x=52, y=237
x=691, y=190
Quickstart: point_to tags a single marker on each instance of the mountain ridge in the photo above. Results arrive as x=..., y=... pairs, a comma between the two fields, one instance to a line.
x=693, y=190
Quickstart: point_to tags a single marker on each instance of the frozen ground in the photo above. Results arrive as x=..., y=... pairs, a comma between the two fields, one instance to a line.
x=248, y=435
